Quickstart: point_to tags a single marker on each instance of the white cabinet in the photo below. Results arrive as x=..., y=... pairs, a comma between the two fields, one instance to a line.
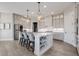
x=43, y=41
x=58, y=35
x=69, y=27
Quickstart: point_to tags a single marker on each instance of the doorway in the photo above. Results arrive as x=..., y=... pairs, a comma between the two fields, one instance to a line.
x=35, y=27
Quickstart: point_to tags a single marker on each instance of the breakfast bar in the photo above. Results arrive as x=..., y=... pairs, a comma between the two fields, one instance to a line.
x=43, y=42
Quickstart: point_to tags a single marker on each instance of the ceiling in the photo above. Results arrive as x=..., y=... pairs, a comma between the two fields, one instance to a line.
x=21, y=7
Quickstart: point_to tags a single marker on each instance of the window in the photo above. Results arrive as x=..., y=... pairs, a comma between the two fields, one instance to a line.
x=58, y=23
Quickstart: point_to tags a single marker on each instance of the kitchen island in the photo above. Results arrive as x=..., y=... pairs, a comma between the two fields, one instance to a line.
x=43, y=42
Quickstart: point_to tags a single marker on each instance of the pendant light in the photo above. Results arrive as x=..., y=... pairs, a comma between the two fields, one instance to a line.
x=28, y=17
x=39, y=17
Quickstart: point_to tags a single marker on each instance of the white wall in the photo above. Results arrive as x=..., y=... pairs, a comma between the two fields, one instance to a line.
x=69, y=26
x=6, y=34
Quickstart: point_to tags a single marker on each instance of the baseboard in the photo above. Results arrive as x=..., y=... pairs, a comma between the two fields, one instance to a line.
x=73, y=44
x=10, y=39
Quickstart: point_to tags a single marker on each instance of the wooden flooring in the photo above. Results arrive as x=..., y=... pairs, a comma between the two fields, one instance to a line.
x=12, y=48
x=61, y=48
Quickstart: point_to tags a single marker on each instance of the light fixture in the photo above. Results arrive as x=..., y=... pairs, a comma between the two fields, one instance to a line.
x=32, y=13
x=45, y=6
x=52, y=13
x=28, y=18
x=39, y=17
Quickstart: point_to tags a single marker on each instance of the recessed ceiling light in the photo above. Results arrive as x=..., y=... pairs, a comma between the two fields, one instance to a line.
x=52, y=13
x=32, y=13
x=45, y=6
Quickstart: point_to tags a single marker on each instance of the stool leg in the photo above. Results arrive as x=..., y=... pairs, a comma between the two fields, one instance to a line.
x=28, y=44
x=33, y=46
x=23, y=42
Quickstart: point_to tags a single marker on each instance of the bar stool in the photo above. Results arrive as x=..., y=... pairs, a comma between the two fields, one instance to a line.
x=31, y=41
x=21, y=39
x=25, y=39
